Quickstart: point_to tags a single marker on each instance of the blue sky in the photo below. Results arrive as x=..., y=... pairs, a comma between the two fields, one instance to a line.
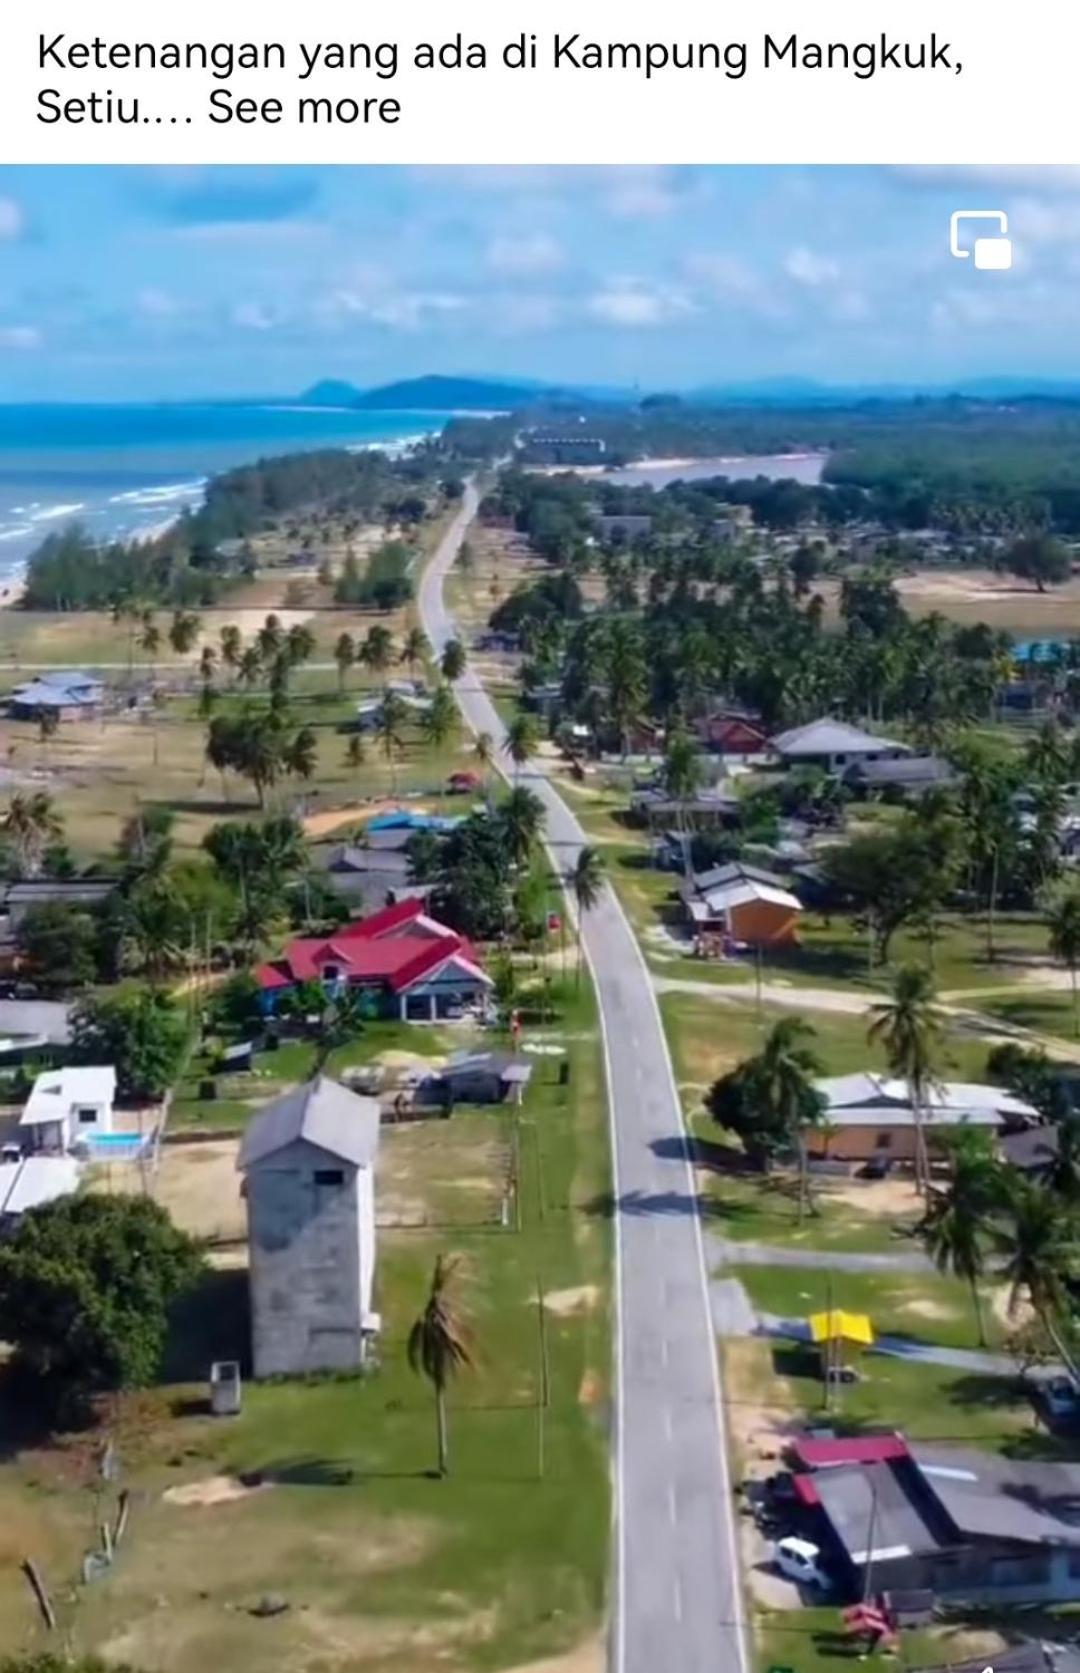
x=131, y=283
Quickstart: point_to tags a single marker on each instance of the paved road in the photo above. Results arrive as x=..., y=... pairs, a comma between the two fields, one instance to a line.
x=679, y=1602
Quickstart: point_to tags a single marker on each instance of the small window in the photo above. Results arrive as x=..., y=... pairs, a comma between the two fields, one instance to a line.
x=884, y=1141
x=329, y=1176
x=87, y=1117
x=331, y=972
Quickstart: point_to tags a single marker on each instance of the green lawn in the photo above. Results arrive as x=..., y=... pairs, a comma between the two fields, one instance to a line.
x=383, y=1566
x=924, y=1306
x=1042, y=1012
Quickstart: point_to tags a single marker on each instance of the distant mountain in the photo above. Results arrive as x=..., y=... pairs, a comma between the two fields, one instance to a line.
x=331, y=392
x=431, y=394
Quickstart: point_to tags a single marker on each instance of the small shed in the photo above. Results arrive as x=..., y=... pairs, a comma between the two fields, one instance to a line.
x=839, y=1336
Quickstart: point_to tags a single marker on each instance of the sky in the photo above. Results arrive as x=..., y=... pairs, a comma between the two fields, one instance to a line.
x=173, y=283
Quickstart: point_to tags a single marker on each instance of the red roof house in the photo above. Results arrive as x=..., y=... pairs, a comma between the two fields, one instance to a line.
x=413, y=966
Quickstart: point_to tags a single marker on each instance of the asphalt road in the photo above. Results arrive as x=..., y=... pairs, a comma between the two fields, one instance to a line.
x=679, y=1600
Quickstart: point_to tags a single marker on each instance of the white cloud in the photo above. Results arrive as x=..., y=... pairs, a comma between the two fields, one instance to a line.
x=11, y=219
x=642, y=193
x=628, y=303
x=527, y=254
x=20, y=337
x=400, y=310
x=806, y=267
x=253, y=316
x=157, y=304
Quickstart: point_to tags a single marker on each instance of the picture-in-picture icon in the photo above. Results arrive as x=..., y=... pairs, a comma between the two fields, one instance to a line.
x=994, y=255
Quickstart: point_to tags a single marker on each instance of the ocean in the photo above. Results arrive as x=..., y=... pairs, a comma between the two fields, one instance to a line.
x=127, y=471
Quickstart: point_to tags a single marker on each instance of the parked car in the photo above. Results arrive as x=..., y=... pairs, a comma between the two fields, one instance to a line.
x=1061, y=1396
x=799, y=1560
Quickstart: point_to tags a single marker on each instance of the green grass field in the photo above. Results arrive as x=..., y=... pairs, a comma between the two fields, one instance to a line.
x=383, y=1565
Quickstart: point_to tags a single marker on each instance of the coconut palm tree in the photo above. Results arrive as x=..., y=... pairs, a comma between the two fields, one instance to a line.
x=149, y=639
x=1063, y=922
x=301, y=754
x=415, y=649
x=32, y=824
x=344, y=656
x=440, y=1344
x=586, y=883
x=453, y=660
x=355, y=753
x=184, y=630
x=682, y=780
x=207, y=664
x=955, y=1226
x=522, y=818
x=299, y=644
x=910, y=1028
x=440, y=719
x=522, y=736
x=389, y=728
x=377, y=650
x=784, y=1072
x=250, y=665
x=341, y=1019
x=232, y=645
x=1036, y=1239
x=270, y=639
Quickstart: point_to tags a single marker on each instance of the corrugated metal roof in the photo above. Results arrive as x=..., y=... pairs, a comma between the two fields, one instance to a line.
x=323, y=1113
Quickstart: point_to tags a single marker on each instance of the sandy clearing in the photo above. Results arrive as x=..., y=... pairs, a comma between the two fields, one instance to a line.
x=589, y=1657
x=890, y=1198
x=321, y=824
x=199, y=1186
x=565, y=1303
x=212, y=1490
x=924, y=1308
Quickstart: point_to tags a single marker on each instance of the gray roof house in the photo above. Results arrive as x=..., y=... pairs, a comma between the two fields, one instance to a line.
x=967, y=1525
x=19, y=897
x=59, y=691
x=478, y=1077
x=32, y=1024
x=834, y=745
x=308, y=1161
x=910, y=775
x=369, y=877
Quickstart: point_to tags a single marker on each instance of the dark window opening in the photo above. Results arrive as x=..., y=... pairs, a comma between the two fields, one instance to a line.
x=329, y=1176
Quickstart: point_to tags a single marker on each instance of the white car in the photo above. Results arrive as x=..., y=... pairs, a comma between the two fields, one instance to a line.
x=799, y=1560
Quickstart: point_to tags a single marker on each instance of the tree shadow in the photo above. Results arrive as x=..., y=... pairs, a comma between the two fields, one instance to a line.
x=641, y=1204
x=211, y=1322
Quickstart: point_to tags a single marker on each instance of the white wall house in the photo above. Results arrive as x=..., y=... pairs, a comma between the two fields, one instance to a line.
x=67, y=1105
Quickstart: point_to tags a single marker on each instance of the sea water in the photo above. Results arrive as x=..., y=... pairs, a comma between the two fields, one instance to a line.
x=127, y=471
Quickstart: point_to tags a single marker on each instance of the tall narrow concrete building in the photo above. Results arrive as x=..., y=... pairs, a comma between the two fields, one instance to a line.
x=308, y=1161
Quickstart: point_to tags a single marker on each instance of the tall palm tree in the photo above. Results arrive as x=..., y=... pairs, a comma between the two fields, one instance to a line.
x=1037, y=1241
x=344, y=656
x=32, y=824
x=784, y=1073
x=453, y=660
x=341, y=1019
x=232, y=645
x=355, y=753
x=1063, y=921
x=522, y=736
x=440, y=1344
x=184, y=630
x=414, y=649
x=150, y=639
x=301, y=754
x=377, y=650
x=389, y=728
x=911, y=1029
x=522, y=818
x=586, y=883
x=955, y=1226
x=299, y=644
x=440, y=720
x=250, y=665
x=682, y=773
x=270, y=639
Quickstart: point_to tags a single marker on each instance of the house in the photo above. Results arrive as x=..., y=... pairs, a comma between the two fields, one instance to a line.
x=708, y=810
x=369, y=709
x=369, y=878
x=464, y=783
x=30, y=1181
x=911, y=775
x=869, y=1117
x=497, y=640
x=18, y=898
x=833, y=745
x=66, y=693
x=743, y=904
x=308, y=1161
x=1033, y=1151
x=67, y=1107
x=478, y=1077
x=968, y=1526
x=732, y=732
x=406, y=962
x=546, y=447
x=411, y=820
x=29, y=1025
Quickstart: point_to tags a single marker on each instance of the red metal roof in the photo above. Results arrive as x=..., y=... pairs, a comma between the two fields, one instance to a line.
x=849, y=1449
x=805, y=1491
x=375, y=949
